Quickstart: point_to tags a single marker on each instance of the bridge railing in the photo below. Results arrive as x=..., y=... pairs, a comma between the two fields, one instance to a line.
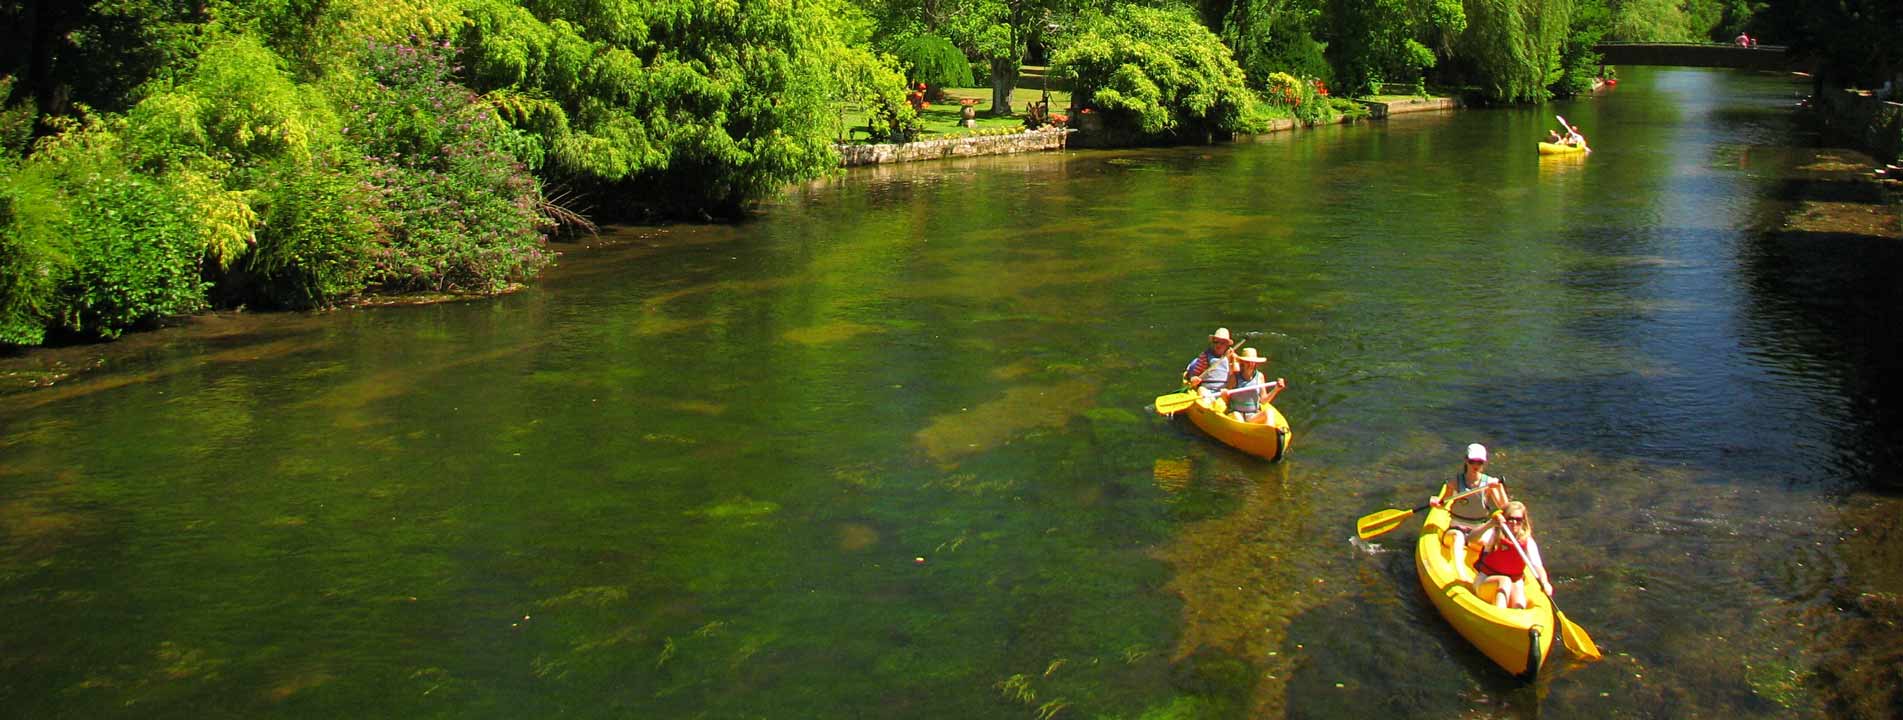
x=1622, y=43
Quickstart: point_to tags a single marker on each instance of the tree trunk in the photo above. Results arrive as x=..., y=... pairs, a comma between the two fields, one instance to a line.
x=1004, y=77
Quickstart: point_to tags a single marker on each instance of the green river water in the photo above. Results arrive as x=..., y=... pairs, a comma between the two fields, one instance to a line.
x=881, y=450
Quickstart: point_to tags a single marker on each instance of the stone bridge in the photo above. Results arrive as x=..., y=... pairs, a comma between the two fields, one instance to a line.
x=1723, y=55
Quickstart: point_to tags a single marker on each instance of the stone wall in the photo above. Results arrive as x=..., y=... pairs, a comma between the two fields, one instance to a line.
x=1875, y=126
x=1379, y=109
x=1028, y=141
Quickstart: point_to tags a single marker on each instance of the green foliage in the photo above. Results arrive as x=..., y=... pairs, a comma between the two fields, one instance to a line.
x=1650, y=21
x=1515, y=46
x=1271, y=36
x=1298, y=96
x=34, y=257
x=1379, y=41
x=1158, y=71
x=319, y=233
x=460, y=212
x=933, y=60
x=689, y=106
x=1579, y=64
x=133, y=241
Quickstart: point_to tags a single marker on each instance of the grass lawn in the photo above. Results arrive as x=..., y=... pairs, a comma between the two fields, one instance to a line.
x=941, y=118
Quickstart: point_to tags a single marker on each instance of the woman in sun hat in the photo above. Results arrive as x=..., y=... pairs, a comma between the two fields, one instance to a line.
x=1470, y=513
x=1250, y=389
x=1209, y=372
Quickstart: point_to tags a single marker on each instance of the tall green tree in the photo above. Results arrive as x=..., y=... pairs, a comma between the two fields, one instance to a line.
x=1514, y=45
x=999, y=32
x=1380, y=41
x=1271, y=36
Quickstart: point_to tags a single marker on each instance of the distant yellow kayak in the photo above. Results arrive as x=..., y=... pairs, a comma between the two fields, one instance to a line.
x=1268, y=440
x=1518, y=640
x=1547, y=148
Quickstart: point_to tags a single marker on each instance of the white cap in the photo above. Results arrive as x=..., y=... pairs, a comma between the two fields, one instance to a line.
x=1477, y=451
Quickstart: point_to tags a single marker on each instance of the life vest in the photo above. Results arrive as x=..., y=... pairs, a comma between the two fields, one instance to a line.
x=1474, y=508
x=1214, y=371
x=1505, y=561
x=1249, y=402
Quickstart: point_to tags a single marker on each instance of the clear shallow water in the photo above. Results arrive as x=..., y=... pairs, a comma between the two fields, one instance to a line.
x=691, y=473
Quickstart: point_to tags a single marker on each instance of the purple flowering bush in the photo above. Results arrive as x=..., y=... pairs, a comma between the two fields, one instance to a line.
x=457, y=211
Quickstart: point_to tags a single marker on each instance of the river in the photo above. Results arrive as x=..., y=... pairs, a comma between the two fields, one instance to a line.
x=881, y=451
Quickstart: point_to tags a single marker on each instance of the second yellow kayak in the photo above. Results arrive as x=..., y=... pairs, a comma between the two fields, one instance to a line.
x=1517, y=640
x=1268, y=440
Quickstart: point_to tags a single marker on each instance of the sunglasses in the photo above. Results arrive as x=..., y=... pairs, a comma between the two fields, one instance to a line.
x=1516, y=520
x=1476, y=462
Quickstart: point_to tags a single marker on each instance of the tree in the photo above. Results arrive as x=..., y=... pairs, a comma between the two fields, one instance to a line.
x=999, y=31
x=1376, y=41
x=1271, y=36
x=1160, y=72
x=1515, y=45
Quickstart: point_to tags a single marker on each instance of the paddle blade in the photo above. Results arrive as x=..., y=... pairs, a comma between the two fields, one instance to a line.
x=1577, y=641
x=1380, y=523
x=1174, y=403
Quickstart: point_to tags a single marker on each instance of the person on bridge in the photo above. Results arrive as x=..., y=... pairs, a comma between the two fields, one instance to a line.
x=1209, y=372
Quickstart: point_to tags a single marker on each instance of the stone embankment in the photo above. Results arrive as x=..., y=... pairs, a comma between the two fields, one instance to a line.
x=1378, y=109
x=1873, y=124
x=1028, y=141
x=1090, y=133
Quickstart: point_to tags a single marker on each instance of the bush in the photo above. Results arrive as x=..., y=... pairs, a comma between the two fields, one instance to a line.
x=459, y=213
x=1299, y=97
x=1160, y=72
x=318, y=230
x=93, y=246
x=33, y=259
x=933, y=60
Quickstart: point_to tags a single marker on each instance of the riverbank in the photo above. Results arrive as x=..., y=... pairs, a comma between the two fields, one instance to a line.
x=1092, y=136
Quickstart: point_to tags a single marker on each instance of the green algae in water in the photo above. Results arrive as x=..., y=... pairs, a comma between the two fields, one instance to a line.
x=742, y=508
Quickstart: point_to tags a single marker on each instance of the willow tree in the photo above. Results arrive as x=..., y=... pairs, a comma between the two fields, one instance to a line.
x=1379, y=41
x=1514, y=45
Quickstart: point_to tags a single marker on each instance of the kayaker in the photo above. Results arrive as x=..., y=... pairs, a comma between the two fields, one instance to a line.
x=1502, y=566
x=1471, y=513
x=1209, y=372
x=1249, y=390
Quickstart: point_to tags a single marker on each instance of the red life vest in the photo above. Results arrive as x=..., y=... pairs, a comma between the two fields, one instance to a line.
x=1502, y=562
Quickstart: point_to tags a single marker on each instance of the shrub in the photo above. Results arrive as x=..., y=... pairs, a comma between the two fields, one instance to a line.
x=1158, y=71
x=33, y=260
x=102, y=248
x=1298, y=96
x=318, y=229
x=459, y=212
x=933, y=60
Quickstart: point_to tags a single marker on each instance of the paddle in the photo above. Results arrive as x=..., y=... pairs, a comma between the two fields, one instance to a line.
x=1379, y=523
x=1176, y=402
x=1575, y=132
x=1570, y=633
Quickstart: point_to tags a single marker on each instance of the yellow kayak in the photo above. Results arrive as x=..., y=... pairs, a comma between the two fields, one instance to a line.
x=1518, y=640
x=1268, y=440
x=1547, y=148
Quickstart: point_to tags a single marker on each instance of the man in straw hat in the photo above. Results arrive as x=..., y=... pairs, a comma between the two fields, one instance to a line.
x=1209, y=372
x=1251, y=390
